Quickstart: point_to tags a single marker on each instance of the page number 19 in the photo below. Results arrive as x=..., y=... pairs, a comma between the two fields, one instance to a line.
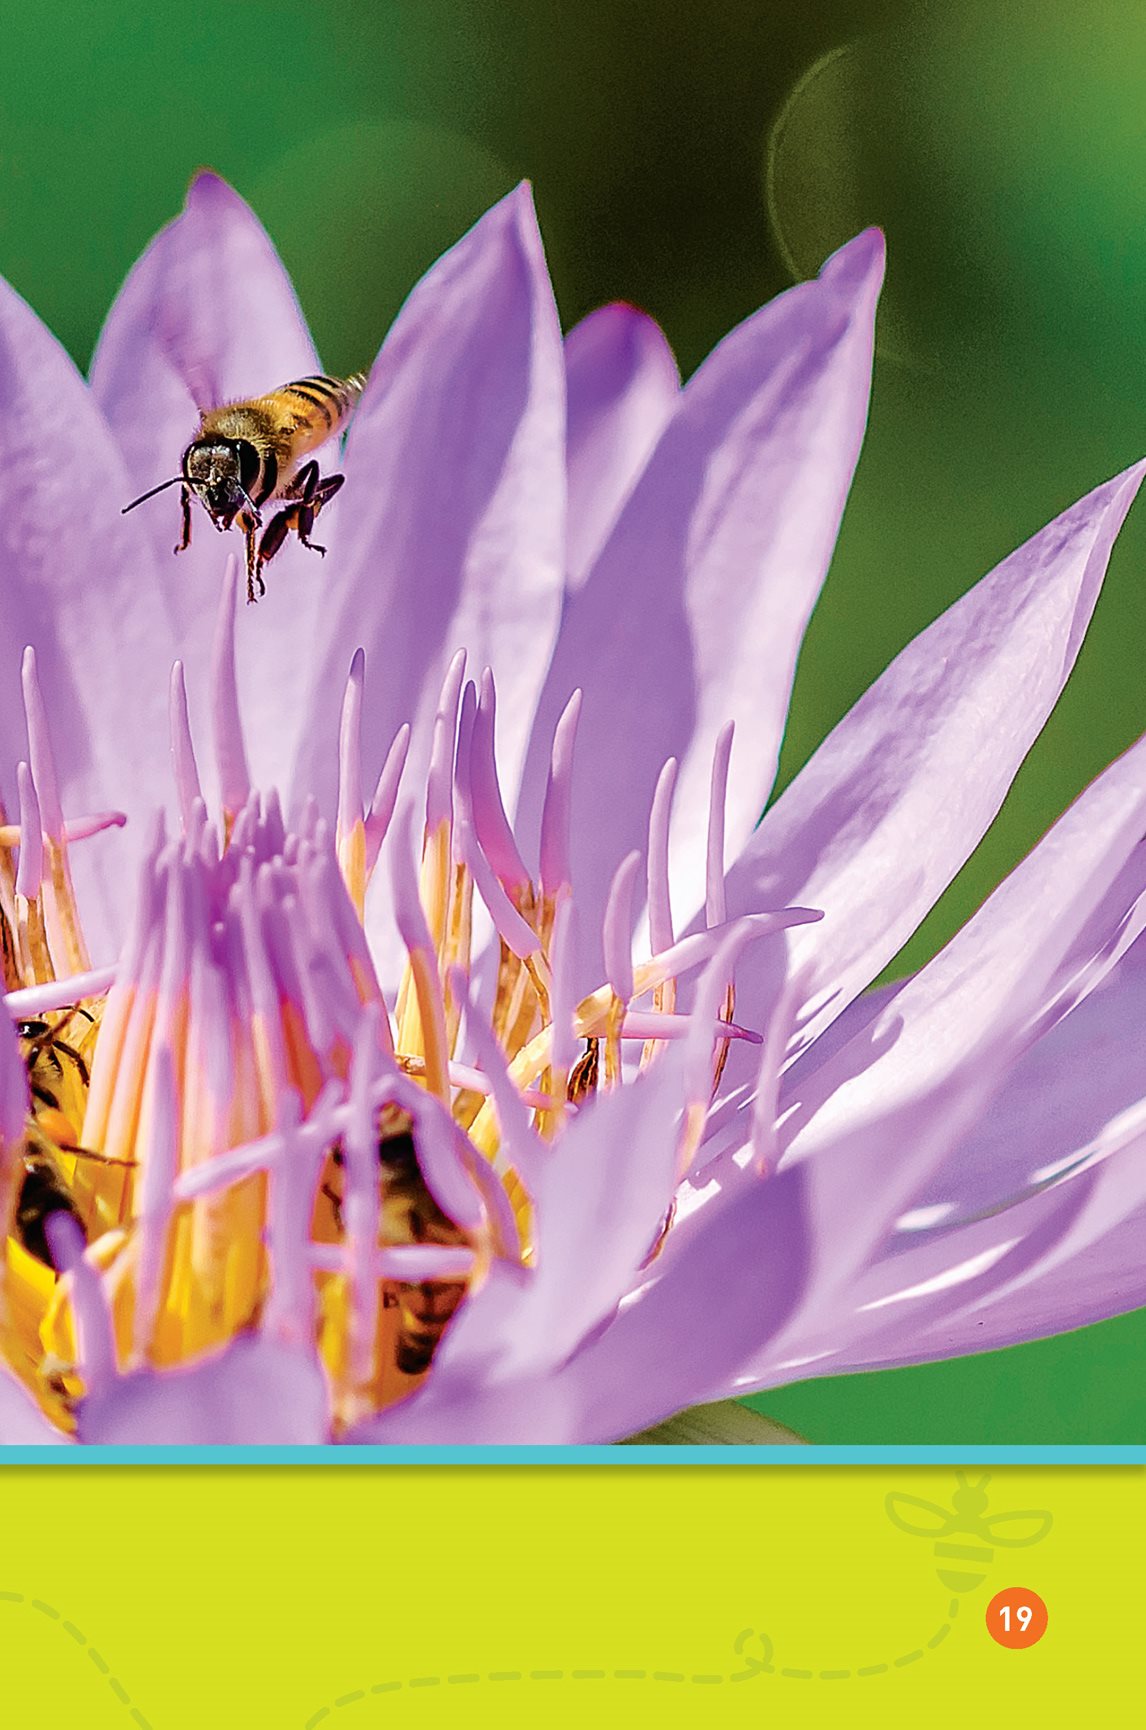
x=1016, y=1618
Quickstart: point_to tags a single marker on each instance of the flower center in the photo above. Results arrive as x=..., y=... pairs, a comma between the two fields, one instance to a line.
x=236, y=1122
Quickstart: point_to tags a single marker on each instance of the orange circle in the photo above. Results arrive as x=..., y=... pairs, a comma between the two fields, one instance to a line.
x=1017, y=1618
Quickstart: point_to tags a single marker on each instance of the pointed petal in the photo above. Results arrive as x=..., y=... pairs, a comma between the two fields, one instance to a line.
x=257, y=1393
x=878, y=1119
x=22, y=1423
x=723, y=1287
x=622, y=385
x=207, y=316
x=694, y=610
x=879, y=821
x=75, y=579
x=450, y=533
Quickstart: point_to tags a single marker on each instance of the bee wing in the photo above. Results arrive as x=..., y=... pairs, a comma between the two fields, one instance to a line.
x=935, y=1523
x=1027, y=1527
x=190, y=358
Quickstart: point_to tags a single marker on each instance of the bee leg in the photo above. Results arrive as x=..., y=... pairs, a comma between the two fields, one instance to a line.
x=185, y=501
x=321, y=494
x=302, y=487
x=274, y=535
x=254, y=560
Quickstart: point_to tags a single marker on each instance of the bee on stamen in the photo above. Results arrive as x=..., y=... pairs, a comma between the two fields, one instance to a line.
x=410, y=1215
x=56, y=1069
x=250, y=454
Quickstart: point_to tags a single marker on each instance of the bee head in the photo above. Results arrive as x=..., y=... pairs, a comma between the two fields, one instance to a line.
x=221, y=473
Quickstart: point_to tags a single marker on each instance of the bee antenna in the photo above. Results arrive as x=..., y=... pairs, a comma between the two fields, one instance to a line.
x=143, y=497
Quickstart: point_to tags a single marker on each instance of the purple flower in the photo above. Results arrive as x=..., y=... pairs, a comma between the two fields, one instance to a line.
x=374, y=1119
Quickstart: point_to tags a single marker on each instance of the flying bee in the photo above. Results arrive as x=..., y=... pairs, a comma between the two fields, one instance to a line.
x=57, y=1080
x=250, y=454
x=410, y=1215
x=1013, y=1531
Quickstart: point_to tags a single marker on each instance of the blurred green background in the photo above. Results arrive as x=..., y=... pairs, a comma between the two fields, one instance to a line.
x=693, y=159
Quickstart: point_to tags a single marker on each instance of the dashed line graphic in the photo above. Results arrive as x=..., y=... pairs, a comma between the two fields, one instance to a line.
x=761, y=1665
x=95, y=1657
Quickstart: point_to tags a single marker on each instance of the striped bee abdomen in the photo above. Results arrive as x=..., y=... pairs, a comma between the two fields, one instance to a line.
x=330, y=398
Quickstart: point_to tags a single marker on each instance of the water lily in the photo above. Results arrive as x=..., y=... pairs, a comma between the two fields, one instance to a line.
x=371, y=1116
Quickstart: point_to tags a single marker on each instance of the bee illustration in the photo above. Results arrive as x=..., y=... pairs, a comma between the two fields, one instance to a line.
x=250, y=454
x=57, y=1080
x=1012, y=1531
x=410, y=1215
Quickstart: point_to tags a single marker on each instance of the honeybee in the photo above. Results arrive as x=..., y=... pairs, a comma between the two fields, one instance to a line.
x=249, y=454
x=57, y=1080
x=410, y=1215
x=1013, y=1531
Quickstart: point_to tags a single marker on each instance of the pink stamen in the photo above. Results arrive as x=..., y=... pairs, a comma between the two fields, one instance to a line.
x=556, y=813
x=328, y=903
x=386, y=795
x=310, y=818
x=160, y=1168
x=264, y=994
x=361, y=1205
x=40, y=751
x=766, y=1103
x=290, y=1310
x=83, y=828
x=350, y=753
x=267, y=1152
x=230, y=752
x=30, y=871
x=184, y=766
x=411, y=1264
x=660, y=901
x=617, y=933
x=463, y=1183
x=33, y=1000
x=519, y=1148
x=274, y=828
x=704, y=1017
x=415, y=934
x=440, y=775
x=95, y=1336
x=715, y=899
x=515, y=931
x=657, y=1024
x=75, y=828
x=487, y=808
x=562, y=1001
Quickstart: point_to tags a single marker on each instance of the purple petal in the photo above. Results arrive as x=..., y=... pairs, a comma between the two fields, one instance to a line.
x=694, y=610
x=888, y=809
x=257, y=1393
x=1084, y=1075
x=1059, y=1260
x=480, y=1408
x=622, y=384
x=880, y=1117
x=22, y=1423
x=451, y=531
x=993, y=978
x=724, y=1286
x=206, y=316
x=75, y=580
x=607, y=1183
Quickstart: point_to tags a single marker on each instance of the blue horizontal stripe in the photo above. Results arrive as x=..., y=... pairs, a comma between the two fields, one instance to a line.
x=800, y=1457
